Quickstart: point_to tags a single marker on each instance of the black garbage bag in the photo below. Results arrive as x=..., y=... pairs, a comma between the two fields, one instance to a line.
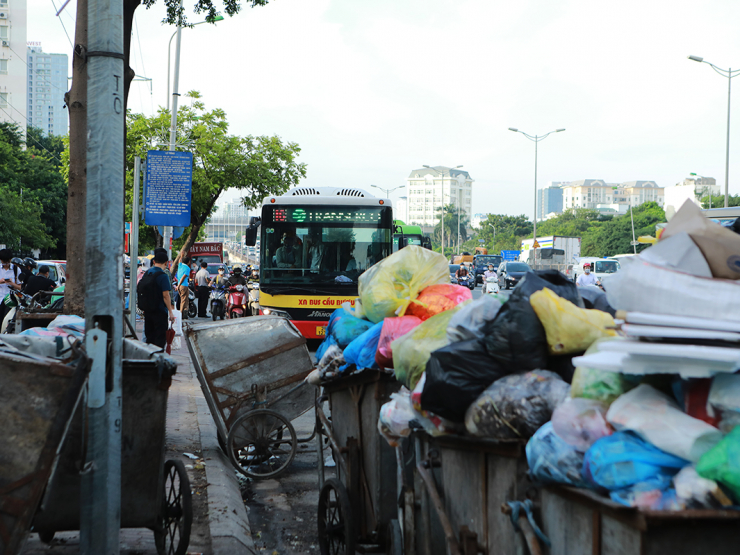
x=455, y=376
x=562, y=365
x=595, y=298
x=516, y=339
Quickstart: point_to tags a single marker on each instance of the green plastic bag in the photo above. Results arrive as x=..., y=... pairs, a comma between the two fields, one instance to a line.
x=600, y=385
x=387, y=288
x=412, y=350
x=722, y=463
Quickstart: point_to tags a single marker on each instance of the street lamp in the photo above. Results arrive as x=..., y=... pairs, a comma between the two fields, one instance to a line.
x=442, y=218
x=536, y=139
x=169, y=48
x=494, y=236
x=729, y=74
x=387, y=191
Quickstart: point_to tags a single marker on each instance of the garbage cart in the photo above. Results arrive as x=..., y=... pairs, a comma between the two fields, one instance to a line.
x=155, y=493
x=38, y=395
x=252, y=372
x=460, y=486
x=356, y=508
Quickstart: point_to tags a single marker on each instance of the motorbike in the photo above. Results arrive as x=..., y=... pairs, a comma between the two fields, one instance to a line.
x=217, y=300
x=236, y=306
x=254, y=298
x=192, y=308
x=491, y=285
x=21, y=300
x=466, y=281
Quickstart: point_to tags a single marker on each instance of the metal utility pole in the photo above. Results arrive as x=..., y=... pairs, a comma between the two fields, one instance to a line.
x=101, y=474
x=173, y=123
x=493, y=247
x=134, y=250
x=634, y=241
x=386, y=190
x=729, y=74
x=536, y=139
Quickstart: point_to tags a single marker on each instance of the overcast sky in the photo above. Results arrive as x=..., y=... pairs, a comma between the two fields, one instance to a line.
x=372, y=90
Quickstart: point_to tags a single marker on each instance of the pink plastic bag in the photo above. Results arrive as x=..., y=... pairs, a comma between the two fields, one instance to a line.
x=580, y=422
x=393, y=328
x=438, y=298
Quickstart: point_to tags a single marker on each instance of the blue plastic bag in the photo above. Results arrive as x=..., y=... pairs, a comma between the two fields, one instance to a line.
x=623, y=459
x=361, y=352
x=553, y=461
x=325, y=344
x=645, y=495
x=345, y=328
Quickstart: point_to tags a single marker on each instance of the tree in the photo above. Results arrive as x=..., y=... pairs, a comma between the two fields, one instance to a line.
x=614, y=236
x=33, y=195
x=257, y=166
x=509, y=231
x=718, y=201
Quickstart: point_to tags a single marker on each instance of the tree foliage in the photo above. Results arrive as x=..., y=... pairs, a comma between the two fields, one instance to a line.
x=176, y=12
x=453, y=216
x=718, y=201
x=256, y=166
x=33, y=193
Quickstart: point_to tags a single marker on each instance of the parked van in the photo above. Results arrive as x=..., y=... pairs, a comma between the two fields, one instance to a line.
x=600, y=267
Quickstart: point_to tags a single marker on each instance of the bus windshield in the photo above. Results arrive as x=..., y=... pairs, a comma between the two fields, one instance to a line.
x=311, y=251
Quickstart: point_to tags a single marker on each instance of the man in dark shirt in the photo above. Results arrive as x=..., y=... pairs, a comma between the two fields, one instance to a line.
x=155, y=321
x=40, y=282
x=26, y=272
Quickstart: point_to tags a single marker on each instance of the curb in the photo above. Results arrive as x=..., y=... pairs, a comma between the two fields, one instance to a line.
x=227, y=515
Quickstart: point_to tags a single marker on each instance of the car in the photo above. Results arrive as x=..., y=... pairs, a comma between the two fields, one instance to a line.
x=600, y=267
x=57, y=269
x=510, y=273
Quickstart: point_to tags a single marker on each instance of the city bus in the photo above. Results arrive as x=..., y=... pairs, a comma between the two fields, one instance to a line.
x=405, y=235
x=314, y=244
x=723, y=216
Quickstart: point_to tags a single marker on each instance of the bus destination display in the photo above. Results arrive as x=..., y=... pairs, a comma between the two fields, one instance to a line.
x=326, y=215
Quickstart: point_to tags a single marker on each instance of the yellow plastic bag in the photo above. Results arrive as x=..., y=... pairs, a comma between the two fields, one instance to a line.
x=569, y=329
x=387, y=288
x=412, y=350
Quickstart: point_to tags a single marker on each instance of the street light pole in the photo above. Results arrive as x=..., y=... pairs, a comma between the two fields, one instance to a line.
x=442, y=219
x=387, y=191
x=493, y=246
x=729, y=74
x=536, y=139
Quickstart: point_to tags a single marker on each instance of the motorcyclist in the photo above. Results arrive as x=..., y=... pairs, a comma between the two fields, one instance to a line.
x=237, y=278
x=587, y=278
x=220, y=278
x=29, y=264
x=462, y=272
x=490, y=273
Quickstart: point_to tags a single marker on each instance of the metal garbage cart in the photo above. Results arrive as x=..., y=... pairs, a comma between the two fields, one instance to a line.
x=155, y=493
x=38, y=395
x=581, y=522
x=252, y=372
x=357, y=507
x=460, y=485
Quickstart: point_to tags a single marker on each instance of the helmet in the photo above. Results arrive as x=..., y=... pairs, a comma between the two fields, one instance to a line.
x=587, y=265
x=17, y=261
x=29, y=262
x=237, y=270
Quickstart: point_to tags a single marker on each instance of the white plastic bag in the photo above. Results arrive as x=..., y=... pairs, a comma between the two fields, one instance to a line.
x=724, y=397
x=177, y=324
x=580, y=422
x=395, y=415
x=470, y=320
x=657, y=419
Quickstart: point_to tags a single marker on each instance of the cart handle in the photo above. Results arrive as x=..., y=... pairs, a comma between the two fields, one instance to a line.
x=326, y=430
x=438, y=505
x=528, y=527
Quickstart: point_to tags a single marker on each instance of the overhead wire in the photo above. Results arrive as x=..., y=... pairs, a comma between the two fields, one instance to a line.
x=27, y=135
x=45, y=80
x=62, y=22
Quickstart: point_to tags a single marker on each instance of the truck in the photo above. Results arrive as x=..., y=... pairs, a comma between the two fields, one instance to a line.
x=211, y=253
x=571, y=246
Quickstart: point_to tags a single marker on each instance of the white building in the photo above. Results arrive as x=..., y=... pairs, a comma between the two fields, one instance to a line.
x=429, y=188
x=596, y=194
x=476, y=220
x=401, y=209
x=47, y=83
x=691, y=188
x=12, y=62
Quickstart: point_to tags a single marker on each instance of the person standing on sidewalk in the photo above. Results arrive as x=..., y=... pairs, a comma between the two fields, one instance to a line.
x=153, y=293
x=183, y=274
x=201, y=280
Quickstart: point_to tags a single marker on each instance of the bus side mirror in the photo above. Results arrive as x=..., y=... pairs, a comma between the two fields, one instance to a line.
x=426, y=242
x=250, y=234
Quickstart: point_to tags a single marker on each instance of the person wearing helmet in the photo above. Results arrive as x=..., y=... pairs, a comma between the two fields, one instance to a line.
x=587, y=278
x=8, y=279
x=29, y=265
x=237, y=278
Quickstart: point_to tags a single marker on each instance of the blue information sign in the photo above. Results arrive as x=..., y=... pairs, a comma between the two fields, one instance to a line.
x=510, y=255
x=169, y=181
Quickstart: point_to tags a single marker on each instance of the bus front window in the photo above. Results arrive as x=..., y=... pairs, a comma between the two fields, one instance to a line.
x=317, y=253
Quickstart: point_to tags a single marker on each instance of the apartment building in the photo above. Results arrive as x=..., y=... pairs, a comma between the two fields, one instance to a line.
x=431, y=187
x=13, y=15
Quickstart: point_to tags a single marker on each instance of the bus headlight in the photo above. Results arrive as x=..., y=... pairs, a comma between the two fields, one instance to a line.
x=275, y=312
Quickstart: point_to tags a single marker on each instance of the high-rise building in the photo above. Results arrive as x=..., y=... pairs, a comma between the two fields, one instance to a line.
x=429, y=188
x=596, y=194
x=401, y=209
x=13, y=79
x=550, y=200
x=47, y=83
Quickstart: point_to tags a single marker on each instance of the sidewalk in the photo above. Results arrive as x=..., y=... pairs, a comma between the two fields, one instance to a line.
x=220, y=523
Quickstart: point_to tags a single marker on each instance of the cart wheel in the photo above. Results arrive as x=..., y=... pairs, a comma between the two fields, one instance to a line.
x=173, y=535
x=336, y=525
x=256, y=444
x=46, y=536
